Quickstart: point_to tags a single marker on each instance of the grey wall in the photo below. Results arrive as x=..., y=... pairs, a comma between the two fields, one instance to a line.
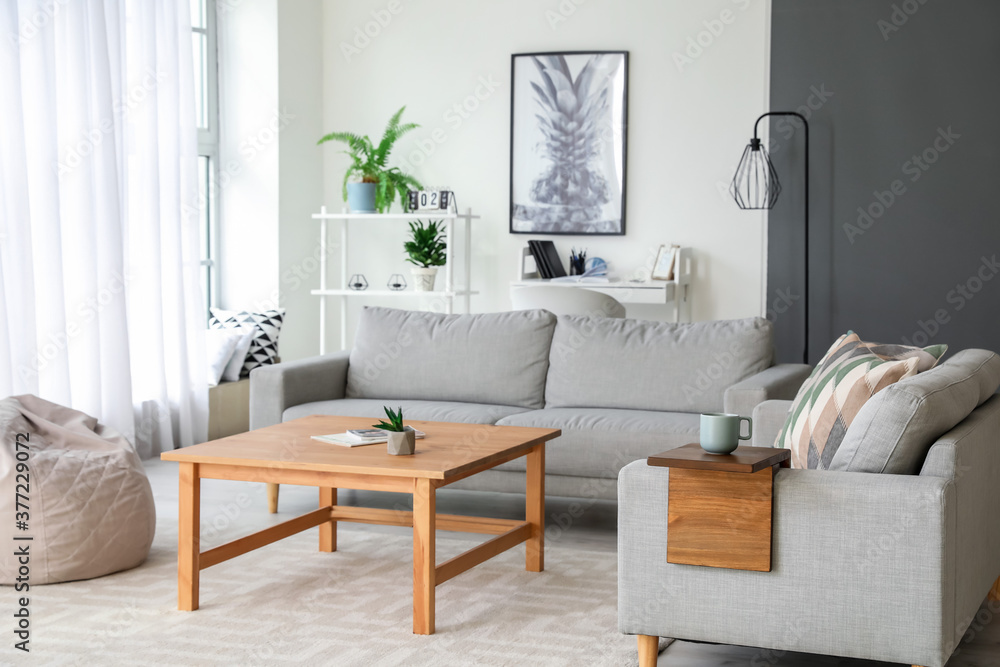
x=902, y=98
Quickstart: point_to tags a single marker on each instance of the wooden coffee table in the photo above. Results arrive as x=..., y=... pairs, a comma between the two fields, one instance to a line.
x=286, y=454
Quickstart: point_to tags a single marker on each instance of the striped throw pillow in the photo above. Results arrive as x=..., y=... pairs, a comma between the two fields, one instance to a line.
x=850, y=373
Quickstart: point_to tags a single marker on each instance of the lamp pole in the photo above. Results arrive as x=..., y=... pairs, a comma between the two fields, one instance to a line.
x=805, y=123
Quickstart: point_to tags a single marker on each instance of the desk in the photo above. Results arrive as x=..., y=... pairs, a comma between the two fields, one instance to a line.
x=654, y=292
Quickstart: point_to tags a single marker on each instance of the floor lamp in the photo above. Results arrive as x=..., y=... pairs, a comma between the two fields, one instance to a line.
x=756, y=186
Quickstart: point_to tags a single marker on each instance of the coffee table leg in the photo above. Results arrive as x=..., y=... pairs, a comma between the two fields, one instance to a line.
x=534, y=509
x=272, y=497
x=327, y=531
x=189, y=537
x=424, y=563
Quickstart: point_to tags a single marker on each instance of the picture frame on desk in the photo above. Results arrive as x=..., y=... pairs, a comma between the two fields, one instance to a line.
x=666, y=260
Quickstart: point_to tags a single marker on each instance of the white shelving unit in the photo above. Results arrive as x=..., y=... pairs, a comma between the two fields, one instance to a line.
x=449, y=294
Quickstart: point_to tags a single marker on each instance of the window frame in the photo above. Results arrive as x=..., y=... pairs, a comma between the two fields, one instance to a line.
x=208, y=147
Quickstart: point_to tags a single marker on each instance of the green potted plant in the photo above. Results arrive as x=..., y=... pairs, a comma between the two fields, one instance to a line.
x=375, y=185
x=402, y=439
x=426, y=251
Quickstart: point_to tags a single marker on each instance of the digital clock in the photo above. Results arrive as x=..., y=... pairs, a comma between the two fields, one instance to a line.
x=430, y=200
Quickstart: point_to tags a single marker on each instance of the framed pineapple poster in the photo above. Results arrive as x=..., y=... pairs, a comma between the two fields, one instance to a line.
x=567, y=142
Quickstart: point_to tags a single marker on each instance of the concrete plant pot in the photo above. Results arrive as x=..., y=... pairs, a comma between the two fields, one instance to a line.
x=424, y=278
x=402, y=443
x=361, y=197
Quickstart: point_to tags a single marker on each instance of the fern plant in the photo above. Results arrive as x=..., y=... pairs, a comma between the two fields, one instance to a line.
x=395, y=423
x=368, y=162
x=428, y=246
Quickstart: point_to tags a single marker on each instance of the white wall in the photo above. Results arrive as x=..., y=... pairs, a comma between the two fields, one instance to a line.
x=248, y=154
x=688, y=123
x=300, y=177
x=271, y=180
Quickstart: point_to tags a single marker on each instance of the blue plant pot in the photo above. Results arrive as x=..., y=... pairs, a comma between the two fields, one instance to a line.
x=361, y=197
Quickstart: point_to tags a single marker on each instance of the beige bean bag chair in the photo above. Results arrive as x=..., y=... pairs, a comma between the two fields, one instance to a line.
x=90, y=508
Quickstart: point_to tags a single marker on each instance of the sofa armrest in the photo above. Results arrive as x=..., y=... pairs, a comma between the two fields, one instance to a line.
x=849, y=552
x=969, y=456
x=275, y=388
x=768, y=420
x=777, y=382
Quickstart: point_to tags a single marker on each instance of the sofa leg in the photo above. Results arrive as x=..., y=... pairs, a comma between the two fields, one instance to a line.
x=648, y=650
x=272, y=498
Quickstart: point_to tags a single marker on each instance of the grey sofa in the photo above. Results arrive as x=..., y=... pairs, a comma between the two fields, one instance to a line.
x=620, y=390
x=886, y=556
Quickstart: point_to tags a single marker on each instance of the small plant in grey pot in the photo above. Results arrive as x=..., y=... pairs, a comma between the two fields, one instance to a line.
x=402, y=439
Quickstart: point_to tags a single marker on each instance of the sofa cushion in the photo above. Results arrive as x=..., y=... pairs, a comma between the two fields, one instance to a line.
x=848, y=375
x=597, y=442
x=643, y=365
x=494, y=358
x=432, y=411
x=895, y=429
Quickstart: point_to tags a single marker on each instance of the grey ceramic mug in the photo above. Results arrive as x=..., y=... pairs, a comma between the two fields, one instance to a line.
x=720, y=432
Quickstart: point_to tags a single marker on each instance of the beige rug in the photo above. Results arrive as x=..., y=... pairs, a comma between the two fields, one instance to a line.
x=290, y=604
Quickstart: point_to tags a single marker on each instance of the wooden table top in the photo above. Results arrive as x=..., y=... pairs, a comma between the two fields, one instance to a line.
x=448, y=450
x=744, y=459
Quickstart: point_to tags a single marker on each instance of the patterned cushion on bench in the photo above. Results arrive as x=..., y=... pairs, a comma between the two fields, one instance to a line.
x=266, y=327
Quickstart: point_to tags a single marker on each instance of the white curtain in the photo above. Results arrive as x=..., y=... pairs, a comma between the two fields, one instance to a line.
x=99, y=251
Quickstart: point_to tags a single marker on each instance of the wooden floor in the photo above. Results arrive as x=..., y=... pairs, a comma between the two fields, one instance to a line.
x=585, y=523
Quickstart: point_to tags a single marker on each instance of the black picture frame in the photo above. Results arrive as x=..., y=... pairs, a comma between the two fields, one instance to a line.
x=574, y=187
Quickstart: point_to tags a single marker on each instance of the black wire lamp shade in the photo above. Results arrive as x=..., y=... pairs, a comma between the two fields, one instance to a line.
x=756, y=186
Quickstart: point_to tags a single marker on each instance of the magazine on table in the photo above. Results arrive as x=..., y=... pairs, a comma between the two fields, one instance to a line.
x=597, y=275
x=585, y=280
x=358, y=437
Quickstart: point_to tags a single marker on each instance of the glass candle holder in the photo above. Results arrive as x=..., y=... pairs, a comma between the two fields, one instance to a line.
x=357, y=282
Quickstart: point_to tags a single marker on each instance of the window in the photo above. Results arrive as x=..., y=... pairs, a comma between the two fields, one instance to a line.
x=206, y=80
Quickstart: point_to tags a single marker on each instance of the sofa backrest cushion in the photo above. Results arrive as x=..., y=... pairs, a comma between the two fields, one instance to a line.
x=895, y=429
x=496, y=358
x=642, y=365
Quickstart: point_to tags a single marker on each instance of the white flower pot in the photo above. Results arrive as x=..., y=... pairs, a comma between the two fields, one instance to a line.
x=423, y=278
